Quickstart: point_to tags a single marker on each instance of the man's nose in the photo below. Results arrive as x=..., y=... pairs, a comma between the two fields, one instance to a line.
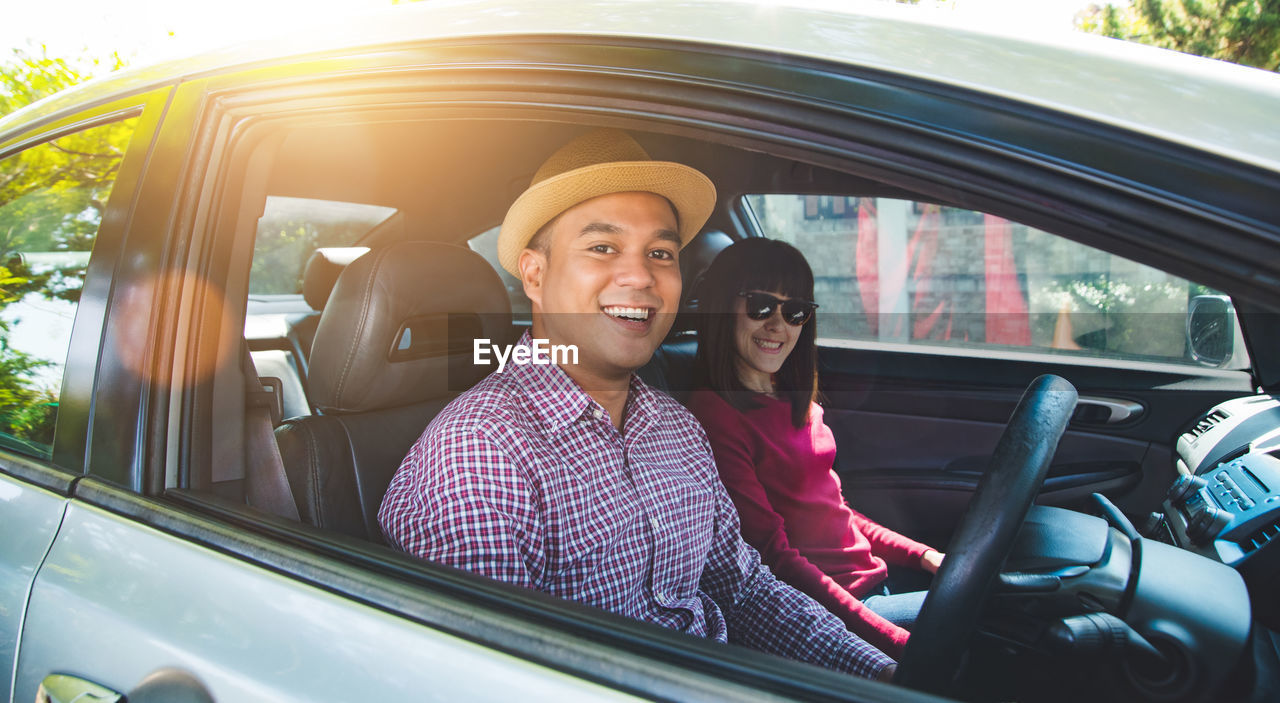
x=635, y=271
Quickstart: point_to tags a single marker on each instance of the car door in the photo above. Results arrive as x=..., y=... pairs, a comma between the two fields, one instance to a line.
x=934, y=319
x=32, y=512
x=159, y=566
x=118, y=601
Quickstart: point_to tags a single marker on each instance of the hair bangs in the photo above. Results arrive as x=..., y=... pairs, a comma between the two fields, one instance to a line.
x=779, y=273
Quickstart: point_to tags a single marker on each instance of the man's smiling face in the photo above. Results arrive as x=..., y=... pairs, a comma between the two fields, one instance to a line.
x=609, y=281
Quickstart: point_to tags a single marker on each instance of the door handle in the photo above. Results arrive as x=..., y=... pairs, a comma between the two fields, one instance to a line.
x=65, y=688
x=161, y=686
x=1105, y=411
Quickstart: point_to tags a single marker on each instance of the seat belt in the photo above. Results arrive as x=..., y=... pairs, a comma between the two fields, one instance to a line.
x=266, y=483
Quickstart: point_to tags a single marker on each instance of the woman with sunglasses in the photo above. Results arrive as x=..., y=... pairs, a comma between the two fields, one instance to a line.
x=757, y=371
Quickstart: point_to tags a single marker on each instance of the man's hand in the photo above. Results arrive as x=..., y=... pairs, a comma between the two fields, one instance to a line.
x=931, y=560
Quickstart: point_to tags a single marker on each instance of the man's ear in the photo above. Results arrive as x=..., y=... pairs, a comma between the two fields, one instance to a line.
x=532, y=265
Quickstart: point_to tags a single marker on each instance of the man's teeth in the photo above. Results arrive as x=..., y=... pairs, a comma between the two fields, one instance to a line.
x=769, y=345
x=639, y=314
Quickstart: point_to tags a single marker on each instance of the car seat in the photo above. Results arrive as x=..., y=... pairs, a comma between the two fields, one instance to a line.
x=393, y=346
x=318, y=279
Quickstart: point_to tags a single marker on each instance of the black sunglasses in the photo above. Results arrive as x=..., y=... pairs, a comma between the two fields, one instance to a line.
x=760, y=306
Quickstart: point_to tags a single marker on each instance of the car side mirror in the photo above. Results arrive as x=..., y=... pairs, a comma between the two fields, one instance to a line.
x=1211, y=329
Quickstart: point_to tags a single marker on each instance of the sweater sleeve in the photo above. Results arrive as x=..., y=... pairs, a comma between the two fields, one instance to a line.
x=764, y=529
x=894, y=548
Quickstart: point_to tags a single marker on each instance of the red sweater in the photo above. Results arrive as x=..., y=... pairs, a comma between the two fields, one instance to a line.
x=788, y=496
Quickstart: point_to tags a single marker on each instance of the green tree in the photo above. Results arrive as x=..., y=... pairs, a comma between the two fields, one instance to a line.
x=1241, y=31
x=51, y=200
x=28, y=76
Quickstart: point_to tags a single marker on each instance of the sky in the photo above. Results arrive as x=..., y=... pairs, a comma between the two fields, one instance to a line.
x=144, y=31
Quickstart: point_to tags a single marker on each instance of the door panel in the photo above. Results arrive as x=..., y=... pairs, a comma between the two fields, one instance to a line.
x=116, y=601
x=29, y=518
x=915, y=429
x=923, y=486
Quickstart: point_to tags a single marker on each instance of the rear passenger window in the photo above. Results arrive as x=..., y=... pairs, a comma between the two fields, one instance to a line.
x=52, y=198
x=290, y=229
x=900, y=271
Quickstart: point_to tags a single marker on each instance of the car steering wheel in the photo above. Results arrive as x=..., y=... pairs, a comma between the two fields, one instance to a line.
x=950, y=613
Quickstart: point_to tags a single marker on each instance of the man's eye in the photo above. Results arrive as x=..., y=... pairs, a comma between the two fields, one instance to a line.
x=663, y=254
x=601, y=249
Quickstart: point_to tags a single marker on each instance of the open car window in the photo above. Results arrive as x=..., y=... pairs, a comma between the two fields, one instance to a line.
x=444, y=204
x=903, y=271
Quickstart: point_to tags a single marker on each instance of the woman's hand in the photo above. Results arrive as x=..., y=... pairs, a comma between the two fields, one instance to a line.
x=931, y=560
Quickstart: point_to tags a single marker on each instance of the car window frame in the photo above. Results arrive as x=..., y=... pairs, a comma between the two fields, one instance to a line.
x=570, y=620
x=76, y=401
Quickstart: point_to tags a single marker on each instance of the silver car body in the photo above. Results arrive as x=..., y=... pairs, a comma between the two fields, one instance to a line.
x=112, y=600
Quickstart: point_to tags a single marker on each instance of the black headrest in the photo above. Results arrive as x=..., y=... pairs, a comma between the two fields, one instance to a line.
x=400, y=325
x=695, y=259
x=322, y=272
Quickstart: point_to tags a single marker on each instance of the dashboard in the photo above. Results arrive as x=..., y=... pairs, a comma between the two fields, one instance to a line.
x=1225, y=503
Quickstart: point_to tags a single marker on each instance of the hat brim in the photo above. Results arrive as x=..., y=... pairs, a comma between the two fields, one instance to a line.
x=689, y=190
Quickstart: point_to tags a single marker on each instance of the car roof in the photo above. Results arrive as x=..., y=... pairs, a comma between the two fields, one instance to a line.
x=1208, y=105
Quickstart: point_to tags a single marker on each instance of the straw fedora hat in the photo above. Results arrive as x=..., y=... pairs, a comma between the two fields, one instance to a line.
x=599, y=163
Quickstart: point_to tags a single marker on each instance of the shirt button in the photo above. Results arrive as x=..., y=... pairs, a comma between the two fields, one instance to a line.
x=598, y=413
x=653, y=522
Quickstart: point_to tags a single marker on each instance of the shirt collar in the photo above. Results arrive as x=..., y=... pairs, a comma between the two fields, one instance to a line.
x=641, y=408
x=557, y=400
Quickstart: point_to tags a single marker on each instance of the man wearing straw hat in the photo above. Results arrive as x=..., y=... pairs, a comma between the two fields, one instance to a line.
x=578, y=479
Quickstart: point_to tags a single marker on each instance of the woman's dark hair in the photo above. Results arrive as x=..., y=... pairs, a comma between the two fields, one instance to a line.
x=765, y=265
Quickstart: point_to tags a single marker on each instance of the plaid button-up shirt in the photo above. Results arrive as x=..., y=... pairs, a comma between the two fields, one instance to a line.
x=524, y=478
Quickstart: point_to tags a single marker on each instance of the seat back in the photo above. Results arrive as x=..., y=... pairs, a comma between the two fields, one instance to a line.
x=671, y=368
x=695, y=259
x=392, y=348
x=318, y=279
